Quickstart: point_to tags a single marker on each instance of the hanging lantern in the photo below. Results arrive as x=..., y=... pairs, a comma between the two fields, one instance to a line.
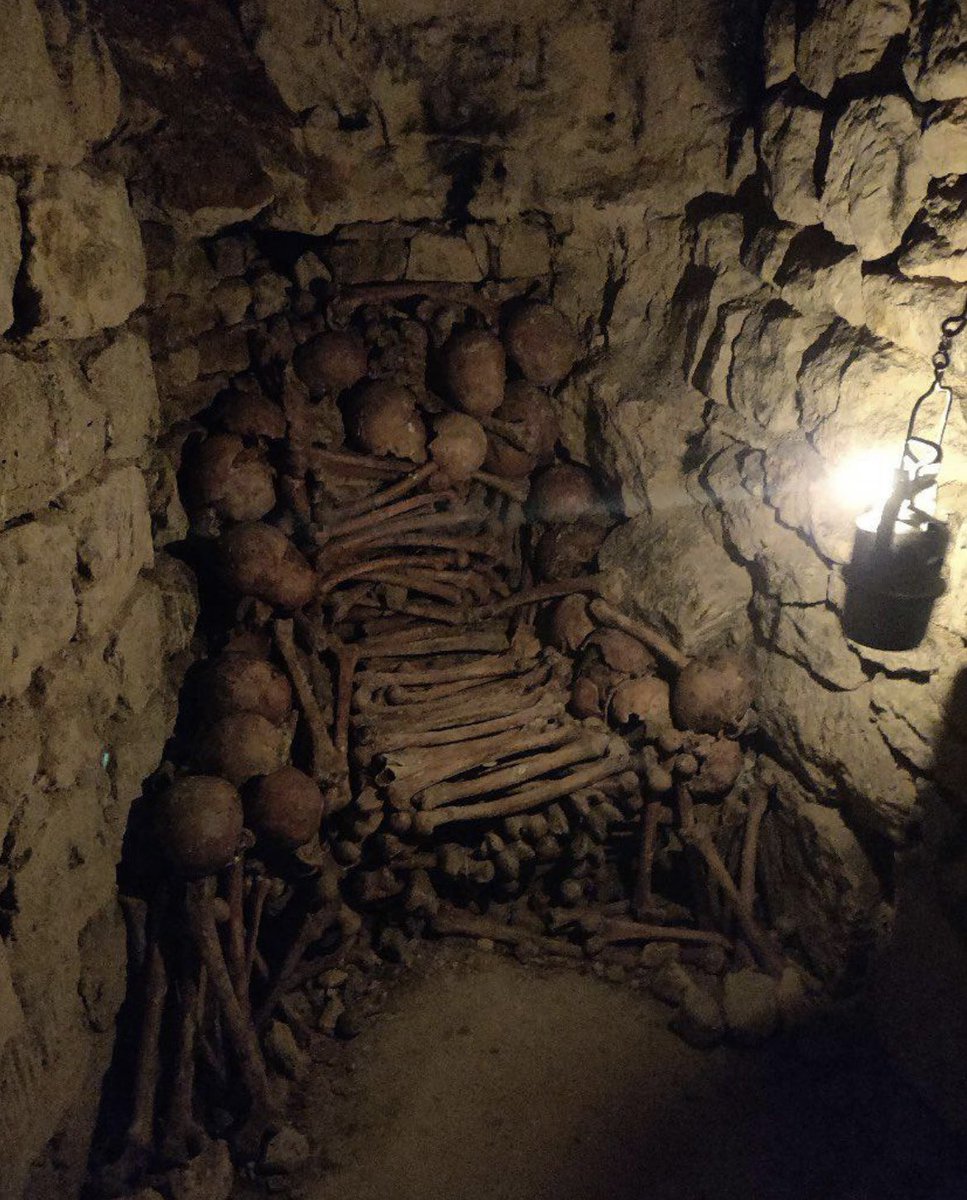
x=895, y=574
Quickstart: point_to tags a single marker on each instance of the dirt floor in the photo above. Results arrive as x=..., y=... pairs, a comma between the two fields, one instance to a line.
x=487, y=1079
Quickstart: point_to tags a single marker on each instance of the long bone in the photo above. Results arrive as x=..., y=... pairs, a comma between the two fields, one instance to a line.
x=325, y=756
x=401, y=784
x=379, y=516
x=204, y=933
x=404, y=646
x=579, y=747
x=493, y=699
x=694, y=833
x=379, y=499
x=521, y=800
x=543, y=706
x=607, y=614
x=183, y=1135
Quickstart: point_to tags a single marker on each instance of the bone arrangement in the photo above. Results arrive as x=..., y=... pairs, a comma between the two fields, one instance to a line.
x=418, y=709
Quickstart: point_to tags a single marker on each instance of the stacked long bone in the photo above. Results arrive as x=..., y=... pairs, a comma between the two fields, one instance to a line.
x=379, y=720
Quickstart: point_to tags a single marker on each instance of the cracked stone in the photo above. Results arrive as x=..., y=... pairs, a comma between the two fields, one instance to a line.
x=875, y=178
x=766, y=358
x=661, y=565
x=819, y=886
x=944, y=141
x=788, y=145
x=811, y=635
x=836, y=746
x=936, y=63
x=779, y=42
x=847, y=37
x=939, y=246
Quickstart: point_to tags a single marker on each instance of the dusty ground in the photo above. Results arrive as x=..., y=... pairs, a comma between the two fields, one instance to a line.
x=486, y=1079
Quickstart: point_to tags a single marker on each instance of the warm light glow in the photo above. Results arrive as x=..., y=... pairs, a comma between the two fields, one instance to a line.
x=865, y=480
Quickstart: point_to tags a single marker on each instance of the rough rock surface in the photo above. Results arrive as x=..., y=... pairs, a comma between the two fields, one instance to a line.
x=789, y=144
x=662, y=564
x=9, y=249
x=875, y=178
x=848, y=38
x=944, y=141
x=819, y=886
x=939, y=246
x=936, y=64
x=86, y=263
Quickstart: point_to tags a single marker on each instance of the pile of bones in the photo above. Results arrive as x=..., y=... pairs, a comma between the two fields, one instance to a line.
x=419, y=711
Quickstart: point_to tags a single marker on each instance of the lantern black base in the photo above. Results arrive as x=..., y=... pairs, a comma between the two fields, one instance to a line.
x=892, y=587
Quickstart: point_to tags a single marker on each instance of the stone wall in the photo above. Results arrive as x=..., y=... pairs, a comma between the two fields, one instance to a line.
x=808, y=311
x=93, y=621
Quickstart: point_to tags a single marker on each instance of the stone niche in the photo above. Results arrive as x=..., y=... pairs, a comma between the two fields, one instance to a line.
x=181, y=186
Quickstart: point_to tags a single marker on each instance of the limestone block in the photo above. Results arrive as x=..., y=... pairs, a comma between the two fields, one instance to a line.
x=779, y=42
x=270, y=294
x=76, y=692
x=936, y=63
x=908, y=312
x=51, y=430
x=442, y=256
x=788, y=145
x=179, y=598
x=938, y=248
x=86, y=263
x=34, y=120
x=36, y=597
x=669, y=570
x=714, y=368
x=765, y=251
x=365, y=260
x=821, y=372
x=847, y=37
x=523, y=250
x=785, y=565
x=20, y=738
x=811, y=635
x=909, y=718
x=944, y=141
x=232, y=297
x=113, y=530
x=820, y=276
x=123, y=380
x=11, y=1014
x=135, y=649
x=875, y=178
x=767, y=356
x=102, y=980
x=93, y=86
x=136, y=742
x=9, y=249
x=835, y=746
x=819, y=887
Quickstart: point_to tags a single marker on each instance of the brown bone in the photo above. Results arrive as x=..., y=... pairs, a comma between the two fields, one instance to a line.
x=523, y=799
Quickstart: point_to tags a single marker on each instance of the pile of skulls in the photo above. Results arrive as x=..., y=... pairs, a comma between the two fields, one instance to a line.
x=417, y=710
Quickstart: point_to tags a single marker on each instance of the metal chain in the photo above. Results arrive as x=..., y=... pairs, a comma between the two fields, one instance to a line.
x=950, y=328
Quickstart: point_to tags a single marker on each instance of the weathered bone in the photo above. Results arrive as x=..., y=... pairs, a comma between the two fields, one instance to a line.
x=579, y=747
x=403, y=776
x=532, y=796
x=696, y=834
x=325, y=758
x=201, y=925
x=607, y=614
x=543, y=706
